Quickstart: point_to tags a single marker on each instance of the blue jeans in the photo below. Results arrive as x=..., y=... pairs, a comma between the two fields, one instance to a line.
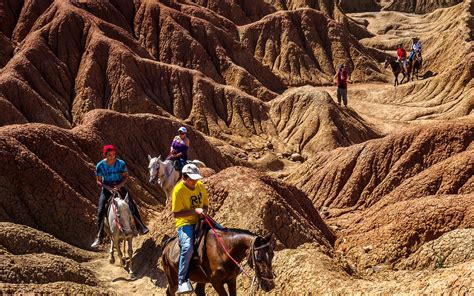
x=342, y=93
x=186, y=239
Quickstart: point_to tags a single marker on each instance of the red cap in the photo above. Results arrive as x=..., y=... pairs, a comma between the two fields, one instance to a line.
x=107, y=148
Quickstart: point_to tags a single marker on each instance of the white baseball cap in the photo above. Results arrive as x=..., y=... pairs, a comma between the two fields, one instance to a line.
x=183, y=130
x=192, y=171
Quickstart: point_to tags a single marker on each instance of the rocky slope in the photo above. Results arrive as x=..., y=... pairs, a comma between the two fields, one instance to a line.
x=361, y=175
x=420, y=6
x=375, y=198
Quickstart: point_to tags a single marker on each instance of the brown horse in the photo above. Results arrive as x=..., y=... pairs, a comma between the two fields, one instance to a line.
x=396, y=69
x=217, y=268
x=416, y=64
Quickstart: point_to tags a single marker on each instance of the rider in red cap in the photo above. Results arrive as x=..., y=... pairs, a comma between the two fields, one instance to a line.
x=112, y=174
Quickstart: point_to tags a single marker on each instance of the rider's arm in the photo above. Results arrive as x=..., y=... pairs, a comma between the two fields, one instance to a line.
x=205, y=199
x=124, y=180
x=99, y=175
x=99, y=181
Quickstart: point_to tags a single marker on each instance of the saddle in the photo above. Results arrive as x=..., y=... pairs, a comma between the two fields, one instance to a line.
x=199, y=244
x=200, y=231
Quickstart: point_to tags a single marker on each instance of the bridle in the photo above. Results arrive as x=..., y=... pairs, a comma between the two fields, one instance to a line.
x=257, y=278
x=156, y=166
x=116, y=213
x=250, y=258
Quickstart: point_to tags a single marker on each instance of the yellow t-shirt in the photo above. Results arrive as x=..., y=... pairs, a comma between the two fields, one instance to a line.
x=184, y=198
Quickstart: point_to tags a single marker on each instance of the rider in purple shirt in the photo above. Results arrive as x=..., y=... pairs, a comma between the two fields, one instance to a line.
x=179, y=149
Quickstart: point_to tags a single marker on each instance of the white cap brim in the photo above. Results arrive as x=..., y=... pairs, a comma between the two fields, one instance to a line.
x=194, y=176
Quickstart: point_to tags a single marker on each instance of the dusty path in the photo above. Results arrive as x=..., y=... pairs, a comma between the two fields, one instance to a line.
x=117, y=279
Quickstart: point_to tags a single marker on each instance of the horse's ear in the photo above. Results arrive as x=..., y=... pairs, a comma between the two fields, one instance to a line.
x=126, y=198
x=159, y=157
x=149, y=157
x=268, y=237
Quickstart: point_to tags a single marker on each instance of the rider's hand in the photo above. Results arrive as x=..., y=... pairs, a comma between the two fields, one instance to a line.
x=108, y=188
x=199, y=211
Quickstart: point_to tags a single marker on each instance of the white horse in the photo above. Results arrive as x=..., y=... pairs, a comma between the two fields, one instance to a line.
x=120, y=226
x=164, y=172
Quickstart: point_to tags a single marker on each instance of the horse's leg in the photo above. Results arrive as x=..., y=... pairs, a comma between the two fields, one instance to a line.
x=111, y=252
x=171, y=275
x=200, y=289
x=232, y=286
x=130, y=254
x=119, y=251
x=172, y=284
x=170, y=291
x=219, y=287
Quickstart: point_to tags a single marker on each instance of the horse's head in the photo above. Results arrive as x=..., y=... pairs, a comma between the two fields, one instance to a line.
x=418, y=56
x=154, y=167
x=124, y=215
x=387, y=62
x=260, y=259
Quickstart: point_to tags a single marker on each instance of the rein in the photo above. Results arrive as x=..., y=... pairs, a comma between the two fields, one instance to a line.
x=114, y=209
x=223, y=246
x=257, y=277
x=253, y=249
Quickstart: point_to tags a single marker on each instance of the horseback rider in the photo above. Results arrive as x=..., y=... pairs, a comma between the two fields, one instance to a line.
x=179, y=149
x=402, y=56
x=416, y=48
x=189, y=202
x=112, y=175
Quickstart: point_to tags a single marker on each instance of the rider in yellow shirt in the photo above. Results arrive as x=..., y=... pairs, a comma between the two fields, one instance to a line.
x=189, y=201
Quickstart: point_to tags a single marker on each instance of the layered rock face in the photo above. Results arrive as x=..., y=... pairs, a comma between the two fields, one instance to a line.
x=372, y=198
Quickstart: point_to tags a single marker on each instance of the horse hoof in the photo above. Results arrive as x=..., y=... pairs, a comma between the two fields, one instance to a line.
x=111, y=260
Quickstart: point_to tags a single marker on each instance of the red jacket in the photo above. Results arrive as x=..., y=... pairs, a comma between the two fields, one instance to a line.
x=401, y=53
x=342, y=79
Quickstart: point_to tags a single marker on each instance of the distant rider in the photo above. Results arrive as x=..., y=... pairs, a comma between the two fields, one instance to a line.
x=179, y=149
x=416, y=48
x=402, y=56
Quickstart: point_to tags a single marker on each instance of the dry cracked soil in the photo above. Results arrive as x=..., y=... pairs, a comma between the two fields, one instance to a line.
x=373, y=198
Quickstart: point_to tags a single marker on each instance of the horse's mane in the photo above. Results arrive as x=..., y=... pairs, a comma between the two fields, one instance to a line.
x=239, y=231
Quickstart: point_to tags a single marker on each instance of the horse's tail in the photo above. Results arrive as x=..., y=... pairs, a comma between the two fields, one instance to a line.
x=199, y=163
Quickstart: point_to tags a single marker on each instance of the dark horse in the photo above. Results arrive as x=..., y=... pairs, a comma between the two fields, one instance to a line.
x=217, y=268
x=396, y=69
x=416, y=64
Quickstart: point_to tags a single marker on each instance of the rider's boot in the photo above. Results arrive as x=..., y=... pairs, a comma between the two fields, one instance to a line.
x=100, y=236
x=185, y=288
x=142, y=229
